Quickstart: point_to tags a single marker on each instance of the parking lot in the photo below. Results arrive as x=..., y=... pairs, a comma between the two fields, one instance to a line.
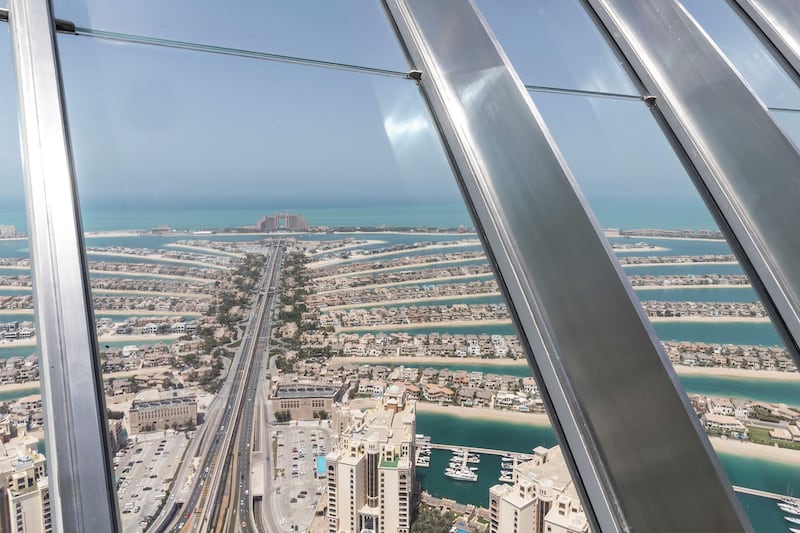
x=144, y=470
x=297, y=489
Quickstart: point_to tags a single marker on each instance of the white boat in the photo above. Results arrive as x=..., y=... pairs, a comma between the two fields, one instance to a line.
x=506, y=478
x=461, y=475
x=794, y=530
x=791, y=509
x=473, y=458
x=792, y=520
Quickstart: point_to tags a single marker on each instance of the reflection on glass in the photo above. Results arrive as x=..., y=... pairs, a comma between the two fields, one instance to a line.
x=23, y=475
x=713, y=327
x=203, y=176
x=554, y=43
x=350, y=32
x=748, y=55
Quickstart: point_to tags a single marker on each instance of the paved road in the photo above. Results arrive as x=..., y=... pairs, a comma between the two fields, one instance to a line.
x=241, y=496
x=213, y=444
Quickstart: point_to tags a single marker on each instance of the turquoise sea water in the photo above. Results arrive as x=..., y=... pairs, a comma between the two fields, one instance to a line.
x=704, y=294
x=13, y=395
x=759, y=474
x=724, y=333
x=743, y=471
x=776, y=391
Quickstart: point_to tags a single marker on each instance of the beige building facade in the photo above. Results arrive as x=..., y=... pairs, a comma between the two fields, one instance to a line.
x=25, y=493
x=304, y=401
x=158, y=415
x=371, y=476
x=542, y=498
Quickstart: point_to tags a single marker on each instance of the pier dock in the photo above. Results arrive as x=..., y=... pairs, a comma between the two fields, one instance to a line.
x=520, y=457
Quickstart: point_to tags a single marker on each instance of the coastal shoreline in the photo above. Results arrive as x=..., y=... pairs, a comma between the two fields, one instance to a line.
x=757, y=451
x=416, y=325
x=421, y=281
x=484, y=413
x=681, y=370
x=421, y=301
x=410, y=251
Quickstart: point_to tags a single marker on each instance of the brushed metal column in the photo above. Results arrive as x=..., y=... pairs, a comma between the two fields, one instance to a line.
x=635, y=448
x=747, y=169
x=779, y=21
x=76, y=431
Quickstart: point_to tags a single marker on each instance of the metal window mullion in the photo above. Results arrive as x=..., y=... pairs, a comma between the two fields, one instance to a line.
x=779, y=22
x=746, y=167
x=635, y=449
x=76, y=434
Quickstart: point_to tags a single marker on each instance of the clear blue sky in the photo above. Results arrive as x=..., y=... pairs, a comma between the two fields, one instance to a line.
x=157, y=126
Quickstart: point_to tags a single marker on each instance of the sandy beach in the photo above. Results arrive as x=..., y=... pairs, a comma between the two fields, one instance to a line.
x=410, y=251
x=708, y=319
x=114, y=233
x=17, y=312
x=198, y=295
x=428, y=360
x=126, y=273
x=160, y=259
x=485, y=413
x=365, y=242
x=416, y=325
x=20, y=288
x=133, y=339
x=148, y=371
x=741, y=373
x=420, y=281
x=681, y=370
x=760, y=451
x=667, y=287
x=639, y=249
x=421, y=301
x=609, y=233
x=680, y=264
x=411, y=266
x=145, y=312
x=204, y=249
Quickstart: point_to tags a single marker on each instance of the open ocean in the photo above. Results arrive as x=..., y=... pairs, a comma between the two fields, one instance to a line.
x=452, y=430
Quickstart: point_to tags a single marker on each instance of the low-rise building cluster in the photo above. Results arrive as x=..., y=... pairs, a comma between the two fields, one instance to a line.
x=330, y=284
x=413, y=314
x=690, y=280
x=680, y=259
x=704, y=309
x=699, y=354
x=732, y=417
x=413, y=292
x=400, y=344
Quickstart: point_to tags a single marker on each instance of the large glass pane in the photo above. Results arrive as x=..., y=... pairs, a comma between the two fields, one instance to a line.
x=202, y=176
x=352, y=32
x=23, y=475
x=729, y=358
x=554, y=43
x=749, y=56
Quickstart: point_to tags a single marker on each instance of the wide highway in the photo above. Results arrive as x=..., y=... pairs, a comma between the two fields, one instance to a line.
x=208, y=501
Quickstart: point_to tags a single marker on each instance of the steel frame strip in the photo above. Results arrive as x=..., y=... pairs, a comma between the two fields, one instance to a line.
x=779, y=21
x=635, y=448
x=82, y=496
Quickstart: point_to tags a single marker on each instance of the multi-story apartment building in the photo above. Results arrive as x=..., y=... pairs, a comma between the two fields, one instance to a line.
x=542, y=498
x=371, y=476
x=25, y=498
